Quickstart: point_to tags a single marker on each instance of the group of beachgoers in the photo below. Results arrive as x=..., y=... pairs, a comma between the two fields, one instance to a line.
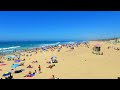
x=51, y=63
x=112, y=47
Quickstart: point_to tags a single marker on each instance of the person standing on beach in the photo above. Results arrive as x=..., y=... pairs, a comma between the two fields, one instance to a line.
x=39, y=68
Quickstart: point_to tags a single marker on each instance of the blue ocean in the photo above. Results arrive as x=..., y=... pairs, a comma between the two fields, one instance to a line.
x=9, y=46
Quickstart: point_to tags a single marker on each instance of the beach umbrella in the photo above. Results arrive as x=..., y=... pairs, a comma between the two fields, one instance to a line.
x=15, y=65
x=6, y=74
x=97, y=45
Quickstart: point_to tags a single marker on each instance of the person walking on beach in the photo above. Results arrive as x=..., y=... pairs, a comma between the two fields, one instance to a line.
x=39, y=67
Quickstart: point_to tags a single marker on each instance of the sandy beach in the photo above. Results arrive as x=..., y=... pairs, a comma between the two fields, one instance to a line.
x=79, y=63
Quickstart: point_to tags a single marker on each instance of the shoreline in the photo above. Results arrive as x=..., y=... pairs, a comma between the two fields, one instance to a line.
x=39, y=47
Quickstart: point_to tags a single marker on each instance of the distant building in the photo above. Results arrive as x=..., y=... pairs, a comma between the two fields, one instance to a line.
x=112, y=41
x=116, y=40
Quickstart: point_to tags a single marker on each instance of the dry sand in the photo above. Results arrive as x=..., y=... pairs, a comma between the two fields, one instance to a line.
x=77, y=64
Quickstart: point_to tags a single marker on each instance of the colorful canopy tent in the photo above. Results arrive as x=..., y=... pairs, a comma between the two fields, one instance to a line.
x=97, y=47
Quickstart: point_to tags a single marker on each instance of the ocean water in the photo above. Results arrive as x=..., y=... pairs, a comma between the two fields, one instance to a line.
x=10, y=46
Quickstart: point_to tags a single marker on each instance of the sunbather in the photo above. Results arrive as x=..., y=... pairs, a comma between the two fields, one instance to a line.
x=29, y=66
x=23, y=59
x=35, y=61
x=1, y=61
x=30, y=74
x=51, y=66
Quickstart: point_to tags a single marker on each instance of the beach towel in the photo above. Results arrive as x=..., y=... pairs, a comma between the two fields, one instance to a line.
x=15, y=65
x=17, y=61
x=19, y=71
x=6, y=74
x=31, y=75
x=3, y=64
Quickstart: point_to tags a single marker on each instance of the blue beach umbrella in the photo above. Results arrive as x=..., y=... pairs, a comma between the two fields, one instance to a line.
x=15, y=65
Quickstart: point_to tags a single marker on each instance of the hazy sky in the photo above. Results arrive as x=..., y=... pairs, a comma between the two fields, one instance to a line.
x=58, y=25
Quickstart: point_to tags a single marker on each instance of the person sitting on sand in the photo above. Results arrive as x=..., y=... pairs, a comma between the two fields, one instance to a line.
x=30, y=72
x=117, y=48
x=29, y=66
x=51, y=66
x=35, y=61
x=35, y=72
x=1, y=61
x=23, y=59
x=48, y=62
x=22, y=64
x=108, y=47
